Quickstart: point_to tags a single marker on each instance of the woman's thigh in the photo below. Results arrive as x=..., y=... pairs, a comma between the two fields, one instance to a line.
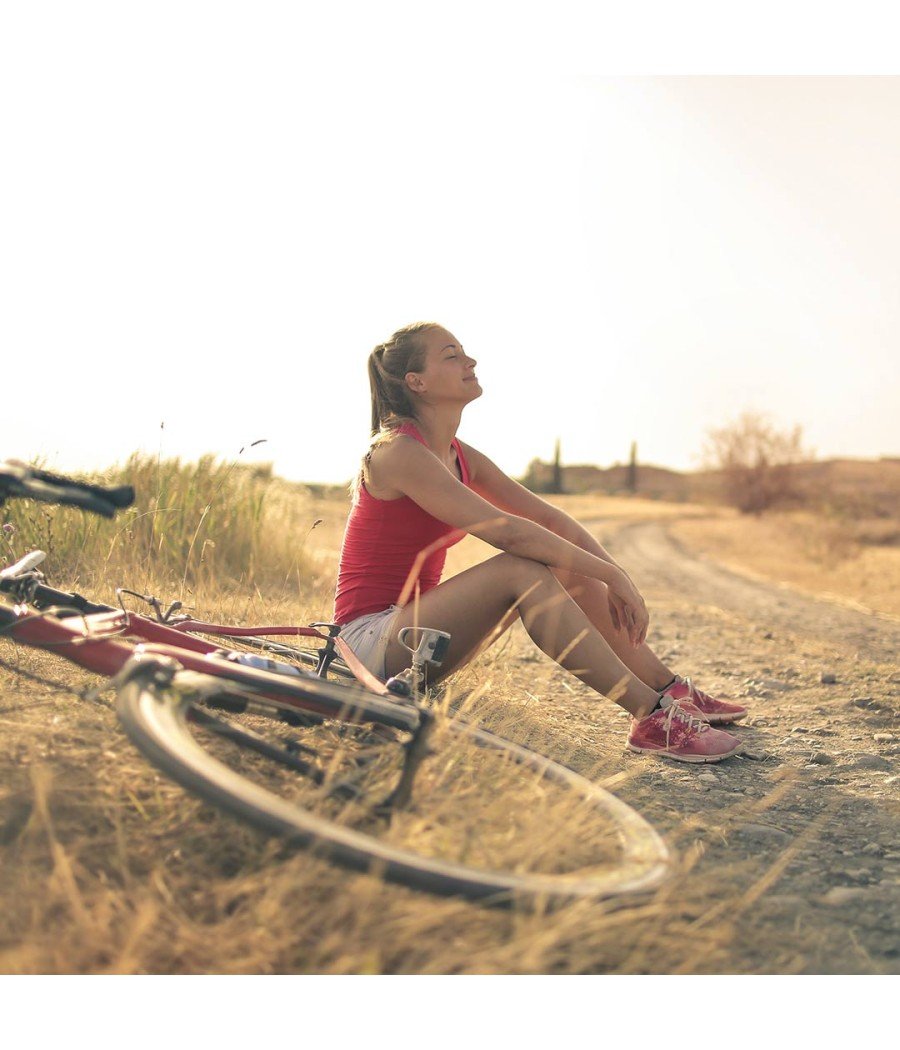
x=474, y=607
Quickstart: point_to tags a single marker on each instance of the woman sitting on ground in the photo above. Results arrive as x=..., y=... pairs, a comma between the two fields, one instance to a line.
x=421, y=487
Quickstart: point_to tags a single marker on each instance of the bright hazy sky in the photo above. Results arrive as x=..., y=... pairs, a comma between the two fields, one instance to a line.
x=193, y=235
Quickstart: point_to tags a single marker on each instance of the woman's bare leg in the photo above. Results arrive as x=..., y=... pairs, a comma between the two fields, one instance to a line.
x=591, y=597
x=478, y=602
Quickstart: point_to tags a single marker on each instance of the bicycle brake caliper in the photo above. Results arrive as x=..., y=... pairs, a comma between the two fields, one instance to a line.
x=328, y=652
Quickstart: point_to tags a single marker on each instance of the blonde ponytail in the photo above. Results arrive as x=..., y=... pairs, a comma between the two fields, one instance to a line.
x=392, y=402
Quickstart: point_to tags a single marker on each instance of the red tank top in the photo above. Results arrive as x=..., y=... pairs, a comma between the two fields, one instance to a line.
x=381, y=541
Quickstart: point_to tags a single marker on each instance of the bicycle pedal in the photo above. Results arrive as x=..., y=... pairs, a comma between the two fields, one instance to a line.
x=399, y=687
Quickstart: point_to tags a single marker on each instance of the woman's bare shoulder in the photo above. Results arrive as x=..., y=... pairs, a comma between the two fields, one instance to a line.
x=388, y=457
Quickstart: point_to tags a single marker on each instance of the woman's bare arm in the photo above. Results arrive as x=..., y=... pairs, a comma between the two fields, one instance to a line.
x=489, y=481
x=406, y=465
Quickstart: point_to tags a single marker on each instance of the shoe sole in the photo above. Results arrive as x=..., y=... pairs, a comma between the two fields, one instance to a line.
x=720, y=720
x=697, y=759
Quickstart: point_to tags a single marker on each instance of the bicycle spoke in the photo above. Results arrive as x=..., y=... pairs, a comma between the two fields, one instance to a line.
x=285, y=752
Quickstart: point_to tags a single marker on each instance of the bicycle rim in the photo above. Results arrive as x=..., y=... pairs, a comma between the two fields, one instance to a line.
x=490, y=820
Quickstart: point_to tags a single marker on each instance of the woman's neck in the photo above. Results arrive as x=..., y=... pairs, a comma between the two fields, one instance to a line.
x=438, y=428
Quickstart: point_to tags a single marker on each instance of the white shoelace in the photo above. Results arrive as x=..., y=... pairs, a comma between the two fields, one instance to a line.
x=692, y=691
x=674, y=710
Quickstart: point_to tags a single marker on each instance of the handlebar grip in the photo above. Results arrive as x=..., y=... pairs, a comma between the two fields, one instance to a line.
x=32, y=483
x=120, y=496
x=117, y=495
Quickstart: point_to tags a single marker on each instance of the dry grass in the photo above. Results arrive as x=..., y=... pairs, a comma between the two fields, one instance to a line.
x=110, y=868
x=825, y=556
x=193, y=526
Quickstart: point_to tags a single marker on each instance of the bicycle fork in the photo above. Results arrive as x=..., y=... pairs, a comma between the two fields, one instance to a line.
x=416, y=751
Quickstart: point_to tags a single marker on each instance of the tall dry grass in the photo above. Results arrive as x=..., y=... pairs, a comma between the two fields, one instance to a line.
x=207, y=524
x=110, y=867
x=195, y=527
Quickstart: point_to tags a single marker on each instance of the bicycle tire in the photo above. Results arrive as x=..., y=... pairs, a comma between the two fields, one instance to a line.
x=160, y=717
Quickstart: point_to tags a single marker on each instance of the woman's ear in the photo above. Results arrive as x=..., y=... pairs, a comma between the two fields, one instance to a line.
x=415, y=382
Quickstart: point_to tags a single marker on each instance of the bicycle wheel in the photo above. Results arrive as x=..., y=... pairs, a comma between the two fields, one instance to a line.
x=488, y=819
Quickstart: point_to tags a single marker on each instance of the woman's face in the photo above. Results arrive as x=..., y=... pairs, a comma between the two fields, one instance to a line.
x=448, y=373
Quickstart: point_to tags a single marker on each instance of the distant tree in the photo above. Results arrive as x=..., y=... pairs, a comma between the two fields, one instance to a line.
x=545, y=477
x=757, y=461
x=531, y=479
x=632, y=468
x=557, y=482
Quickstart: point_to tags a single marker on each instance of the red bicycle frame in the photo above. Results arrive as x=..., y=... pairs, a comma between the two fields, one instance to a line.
x=104, y=642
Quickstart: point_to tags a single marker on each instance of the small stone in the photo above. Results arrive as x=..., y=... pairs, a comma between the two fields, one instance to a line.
x=708, y=778
x=861, y=701
x=764, y=833
x=872, y=849
x=883, y=738
x=757, y=689
x=799, y=729
x=774, y=683
x=868, y=761
x=839, y=895
x=822, y=758
x=827, y=678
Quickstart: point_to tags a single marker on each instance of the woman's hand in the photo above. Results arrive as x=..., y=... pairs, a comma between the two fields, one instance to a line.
x=627, y=608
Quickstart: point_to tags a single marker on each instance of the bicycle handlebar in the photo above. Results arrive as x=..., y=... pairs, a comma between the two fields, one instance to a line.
x=18, y=480
x=23, y=566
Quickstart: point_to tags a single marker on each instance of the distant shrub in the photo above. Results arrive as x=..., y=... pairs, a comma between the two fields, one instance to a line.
x=757, y=462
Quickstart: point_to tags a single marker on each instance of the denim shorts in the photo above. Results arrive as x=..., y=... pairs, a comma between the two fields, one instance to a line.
x=369, y=636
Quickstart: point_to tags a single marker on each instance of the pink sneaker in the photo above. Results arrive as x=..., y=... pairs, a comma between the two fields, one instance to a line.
x=714, y=711
x=675, y=731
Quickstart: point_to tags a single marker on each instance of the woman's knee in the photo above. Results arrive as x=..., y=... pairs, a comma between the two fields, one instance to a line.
x=523, y=573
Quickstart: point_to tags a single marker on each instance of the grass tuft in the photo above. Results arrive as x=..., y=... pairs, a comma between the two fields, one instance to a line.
x=193, y=525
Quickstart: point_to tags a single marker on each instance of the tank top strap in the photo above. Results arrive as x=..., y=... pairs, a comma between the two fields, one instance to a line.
x=411, y=430
x=463, y=462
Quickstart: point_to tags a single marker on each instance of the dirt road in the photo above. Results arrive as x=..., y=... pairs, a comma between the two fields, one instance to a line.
x=797, y=843
x=653, y=555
